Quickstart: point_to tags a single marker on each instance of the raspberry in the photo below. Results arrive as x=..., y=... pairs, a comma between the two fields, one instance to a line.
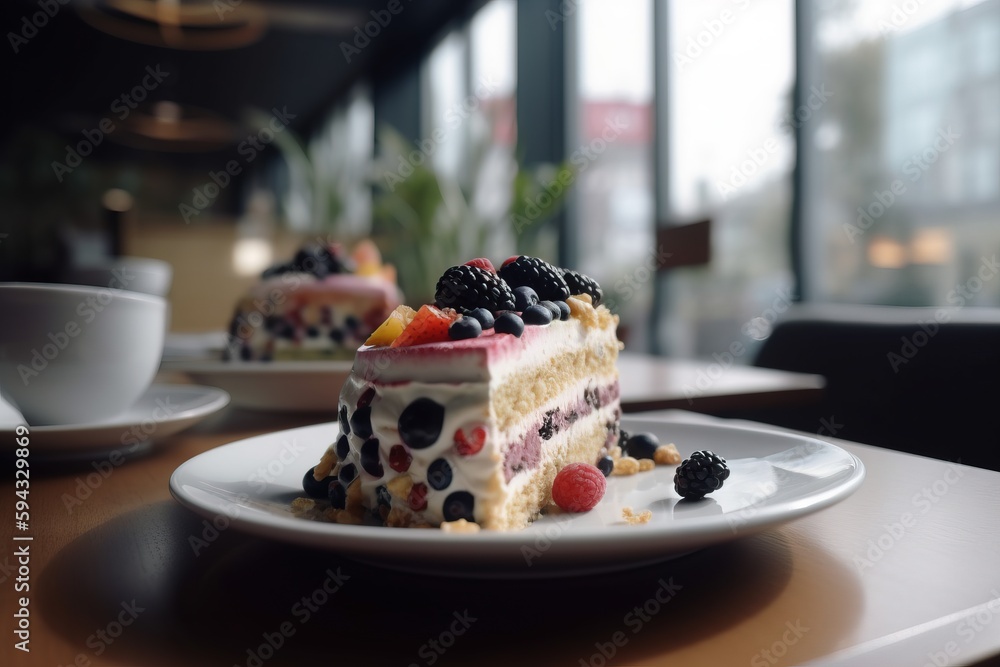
x=700, y=474
x=429, y=325
x=470, y=287
x=578, y=487
x=470, y=443
x=581, y=284
x=536, y=274
x=482, y=263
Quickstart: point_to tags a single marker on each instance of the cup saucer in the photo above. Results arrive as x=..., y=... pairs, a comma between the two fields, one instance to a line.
x=160, y=412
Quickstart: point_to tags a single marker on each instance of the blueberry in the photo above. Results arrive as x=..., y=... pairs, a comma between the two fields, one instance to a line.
x=642, y=446
x=312, y=332
x=421, y=422
x=313, y=488
x=348, y=473
x=351, y=322
x=370, y=461
x=563, y=310
x=606, y=464
x=337, y=495
x=524, y=296
x=383, y=496
x=336, y=335
x=361, y=422
x=537, y=314
x=459, y=505
x=345, y=426
x=484, y=316
x=439, y=474
x=553, y=308
x=287, y=331
x=273, y=323
x=343, y=448
x=466, y=327
x=509, y=323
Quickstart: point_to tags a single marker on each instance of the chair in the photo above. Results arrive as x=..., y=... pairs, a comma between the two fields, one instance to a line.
x=919, y=380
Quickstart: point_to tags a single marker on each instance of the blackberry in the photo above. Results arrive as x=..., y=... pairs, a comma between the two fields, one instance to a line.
x=700, y=474
x=581, y=284
x=537, y=274
x=470, y=287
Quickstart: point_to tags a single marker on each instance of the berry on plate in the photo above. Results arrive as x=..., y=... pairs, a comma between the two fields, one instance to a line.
x=578, y=487
x=700, y=474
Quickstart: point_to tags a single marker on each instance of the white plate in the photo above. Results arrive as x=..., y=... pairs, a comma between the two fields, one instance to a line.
x=163, y=410
x=278, y=386
x=776, y=477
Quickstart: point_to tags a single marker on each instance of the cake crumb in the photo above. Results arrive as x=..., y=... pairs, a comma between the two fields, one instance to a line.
x=325, y=465
x=667, y=455
x=303, y=505
x=460, y=526
x=633, y=519
x=626, y=465
x=400, y=487
x=646, y=464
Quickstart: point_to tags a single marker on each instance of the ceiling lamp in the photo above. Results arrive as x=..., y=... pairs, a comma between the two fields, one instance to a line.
x=169, y=126
x=197, y=25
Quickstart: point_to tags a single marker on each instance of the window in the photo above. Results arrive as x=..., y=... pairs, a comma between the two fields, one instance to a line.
x=612, y=155
x=729, y=150
x=901, y=166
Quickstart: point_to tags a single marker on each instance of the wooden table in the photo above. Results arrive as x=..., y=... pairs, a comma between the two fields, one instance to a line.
x=904, y=569
x=716, y=385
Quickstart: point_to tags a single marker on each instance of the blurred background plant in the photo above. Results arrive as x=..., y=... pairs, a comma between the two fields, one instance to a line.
x=425, y=220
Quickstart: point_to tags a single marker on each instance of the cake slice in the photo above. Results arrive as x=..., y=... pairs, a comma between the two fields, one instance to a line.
x=320, y=306
x=472, y=420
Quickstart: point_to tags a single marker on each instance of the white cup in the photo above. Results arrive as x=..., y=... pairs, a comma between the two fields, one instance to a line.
x=74, y=355
x=136, y=274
